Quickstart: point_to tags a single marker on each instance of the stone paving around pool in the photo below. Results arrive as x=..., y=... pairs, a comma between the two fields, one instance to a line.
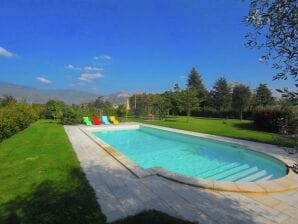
x=120, y=193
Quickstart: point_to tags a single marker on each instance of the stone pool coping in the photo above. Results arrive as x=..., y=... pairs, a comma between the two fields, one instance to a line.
x=285, y=183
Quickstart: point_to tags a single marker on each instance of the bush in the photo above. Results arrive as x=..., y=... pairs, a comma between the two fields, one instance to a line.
x=72, y=115
x=272, y=119
x=16, y=117
x=53, y=109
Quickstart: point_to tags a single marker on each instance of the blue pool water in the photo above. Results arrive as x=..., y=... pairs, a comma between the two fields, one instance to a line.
x=192, y=156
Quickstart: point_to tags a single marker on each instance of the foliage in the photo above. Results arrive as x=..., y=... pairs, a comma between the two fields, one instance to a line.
x=101, y=107
x=174, y=100
x=240, y=98
x=121, y=110
x=71, y=115
x=6, y=100
x=263, y=96
x=15, y=117
x=272, y=119
x=54, y=109
x=189, y=101
x=274, y=26
x=221, y=94
x=195, y=83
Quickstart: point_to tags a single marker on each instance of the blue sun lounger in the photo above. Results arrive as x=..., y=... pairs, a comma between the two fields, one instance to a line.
x=105, y=120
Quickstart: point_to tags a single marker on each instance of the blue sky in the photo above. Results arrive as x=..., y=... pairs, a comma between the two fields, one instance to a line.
x=126, y=45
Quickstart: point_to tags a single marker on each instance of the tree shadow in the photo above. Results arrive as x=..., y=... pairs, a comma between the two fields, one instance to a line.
x=151, y=217
x=55, y=202
x=245, y=126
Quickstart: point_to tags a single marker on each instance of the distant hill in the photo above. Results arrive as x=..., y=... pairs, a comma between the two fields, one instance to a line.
x=30, y=94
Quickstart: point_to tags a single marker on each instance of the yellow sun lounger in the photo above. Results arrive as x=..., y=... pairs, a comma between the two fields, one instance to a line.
x=114, y=120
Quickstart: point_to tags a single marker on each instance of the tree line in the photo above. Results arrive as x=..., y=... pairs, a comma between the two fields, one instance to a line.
x=196, y=99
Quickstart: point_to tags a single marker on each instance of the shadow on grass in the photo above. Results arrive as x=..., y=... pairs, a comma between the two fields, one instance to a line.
x=55, y=202
x=245, y=126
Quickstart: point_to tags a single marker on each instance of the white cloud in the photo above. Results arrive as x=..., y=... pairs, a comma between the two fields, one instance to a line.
x=182, y=76
x=69, y=66
x=86, y=68
x=89, y=77
x=43, y=80
x=90, y=68
x=6, y=53
x=103, y=57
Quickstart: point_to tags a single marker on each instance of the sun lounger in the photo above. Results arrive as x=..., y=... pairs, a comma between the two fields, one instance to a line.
x=96, y=120
x=114, y=120
x=105, y=120
x=87, y=121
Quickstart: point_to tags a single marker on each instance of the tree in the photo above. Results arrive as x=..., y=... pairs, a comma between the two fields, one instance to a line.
x=240, y=98
x=177, y=88
x=7, y=100
x=189, y=101
x=121, y=110
x=174, y=99
x=221, y=94
x=101, y=106
x=54, y=109
x=275, y=30
x=195, y=83
x=162, y=103
x=263, y=96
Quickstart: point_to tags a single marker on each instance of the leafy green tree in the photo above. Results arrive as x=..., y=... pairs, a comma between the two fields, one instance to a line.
x=177, y=88
x=54, y=109
x=6, y=100
x=163, y=104
x=189, y=101
x=263, y=96
x=121, y=110
x=240, y=98
x=101, y=107
x=274, y=31
x=173, y=97
x=221, y=94
x=195, y=83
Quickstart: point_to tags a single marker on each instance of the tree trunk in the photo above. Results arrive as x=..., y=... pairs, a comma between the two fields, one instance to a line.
x=241, y=115
x=188, y=115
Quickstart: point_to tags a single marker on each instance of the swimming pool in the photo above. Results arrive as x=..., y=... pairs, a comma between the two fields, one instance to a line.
x=192, y=156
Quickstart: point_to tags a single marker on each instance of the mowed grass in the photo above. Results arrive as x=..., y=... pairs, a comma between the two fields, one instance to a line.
x=223, y=127
x=41, y=182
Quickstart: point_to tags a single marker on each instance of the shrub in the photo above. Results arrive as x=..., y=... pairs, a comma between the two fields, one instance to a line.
x=53, y=109
x=71, y=115
x=16, y=117
x=272, y=119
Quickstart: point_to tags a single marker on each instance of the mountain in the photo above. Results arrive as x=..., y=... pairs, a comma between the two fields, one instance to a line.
x=30, y=94
x=117, y=98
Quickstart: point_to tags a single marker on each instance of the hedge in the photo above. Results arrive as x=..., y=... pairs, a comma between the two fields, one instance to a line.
x=16, y=117
x=273, y=119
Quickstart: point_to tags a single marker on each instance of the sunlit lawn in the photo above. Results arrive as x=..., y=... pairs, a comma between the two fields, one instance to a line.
x=216, y=126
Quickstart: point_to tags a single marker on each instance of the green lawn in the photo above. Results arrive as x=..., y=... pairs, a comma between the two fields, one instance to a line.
x=41, y=182
x=216, y=126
